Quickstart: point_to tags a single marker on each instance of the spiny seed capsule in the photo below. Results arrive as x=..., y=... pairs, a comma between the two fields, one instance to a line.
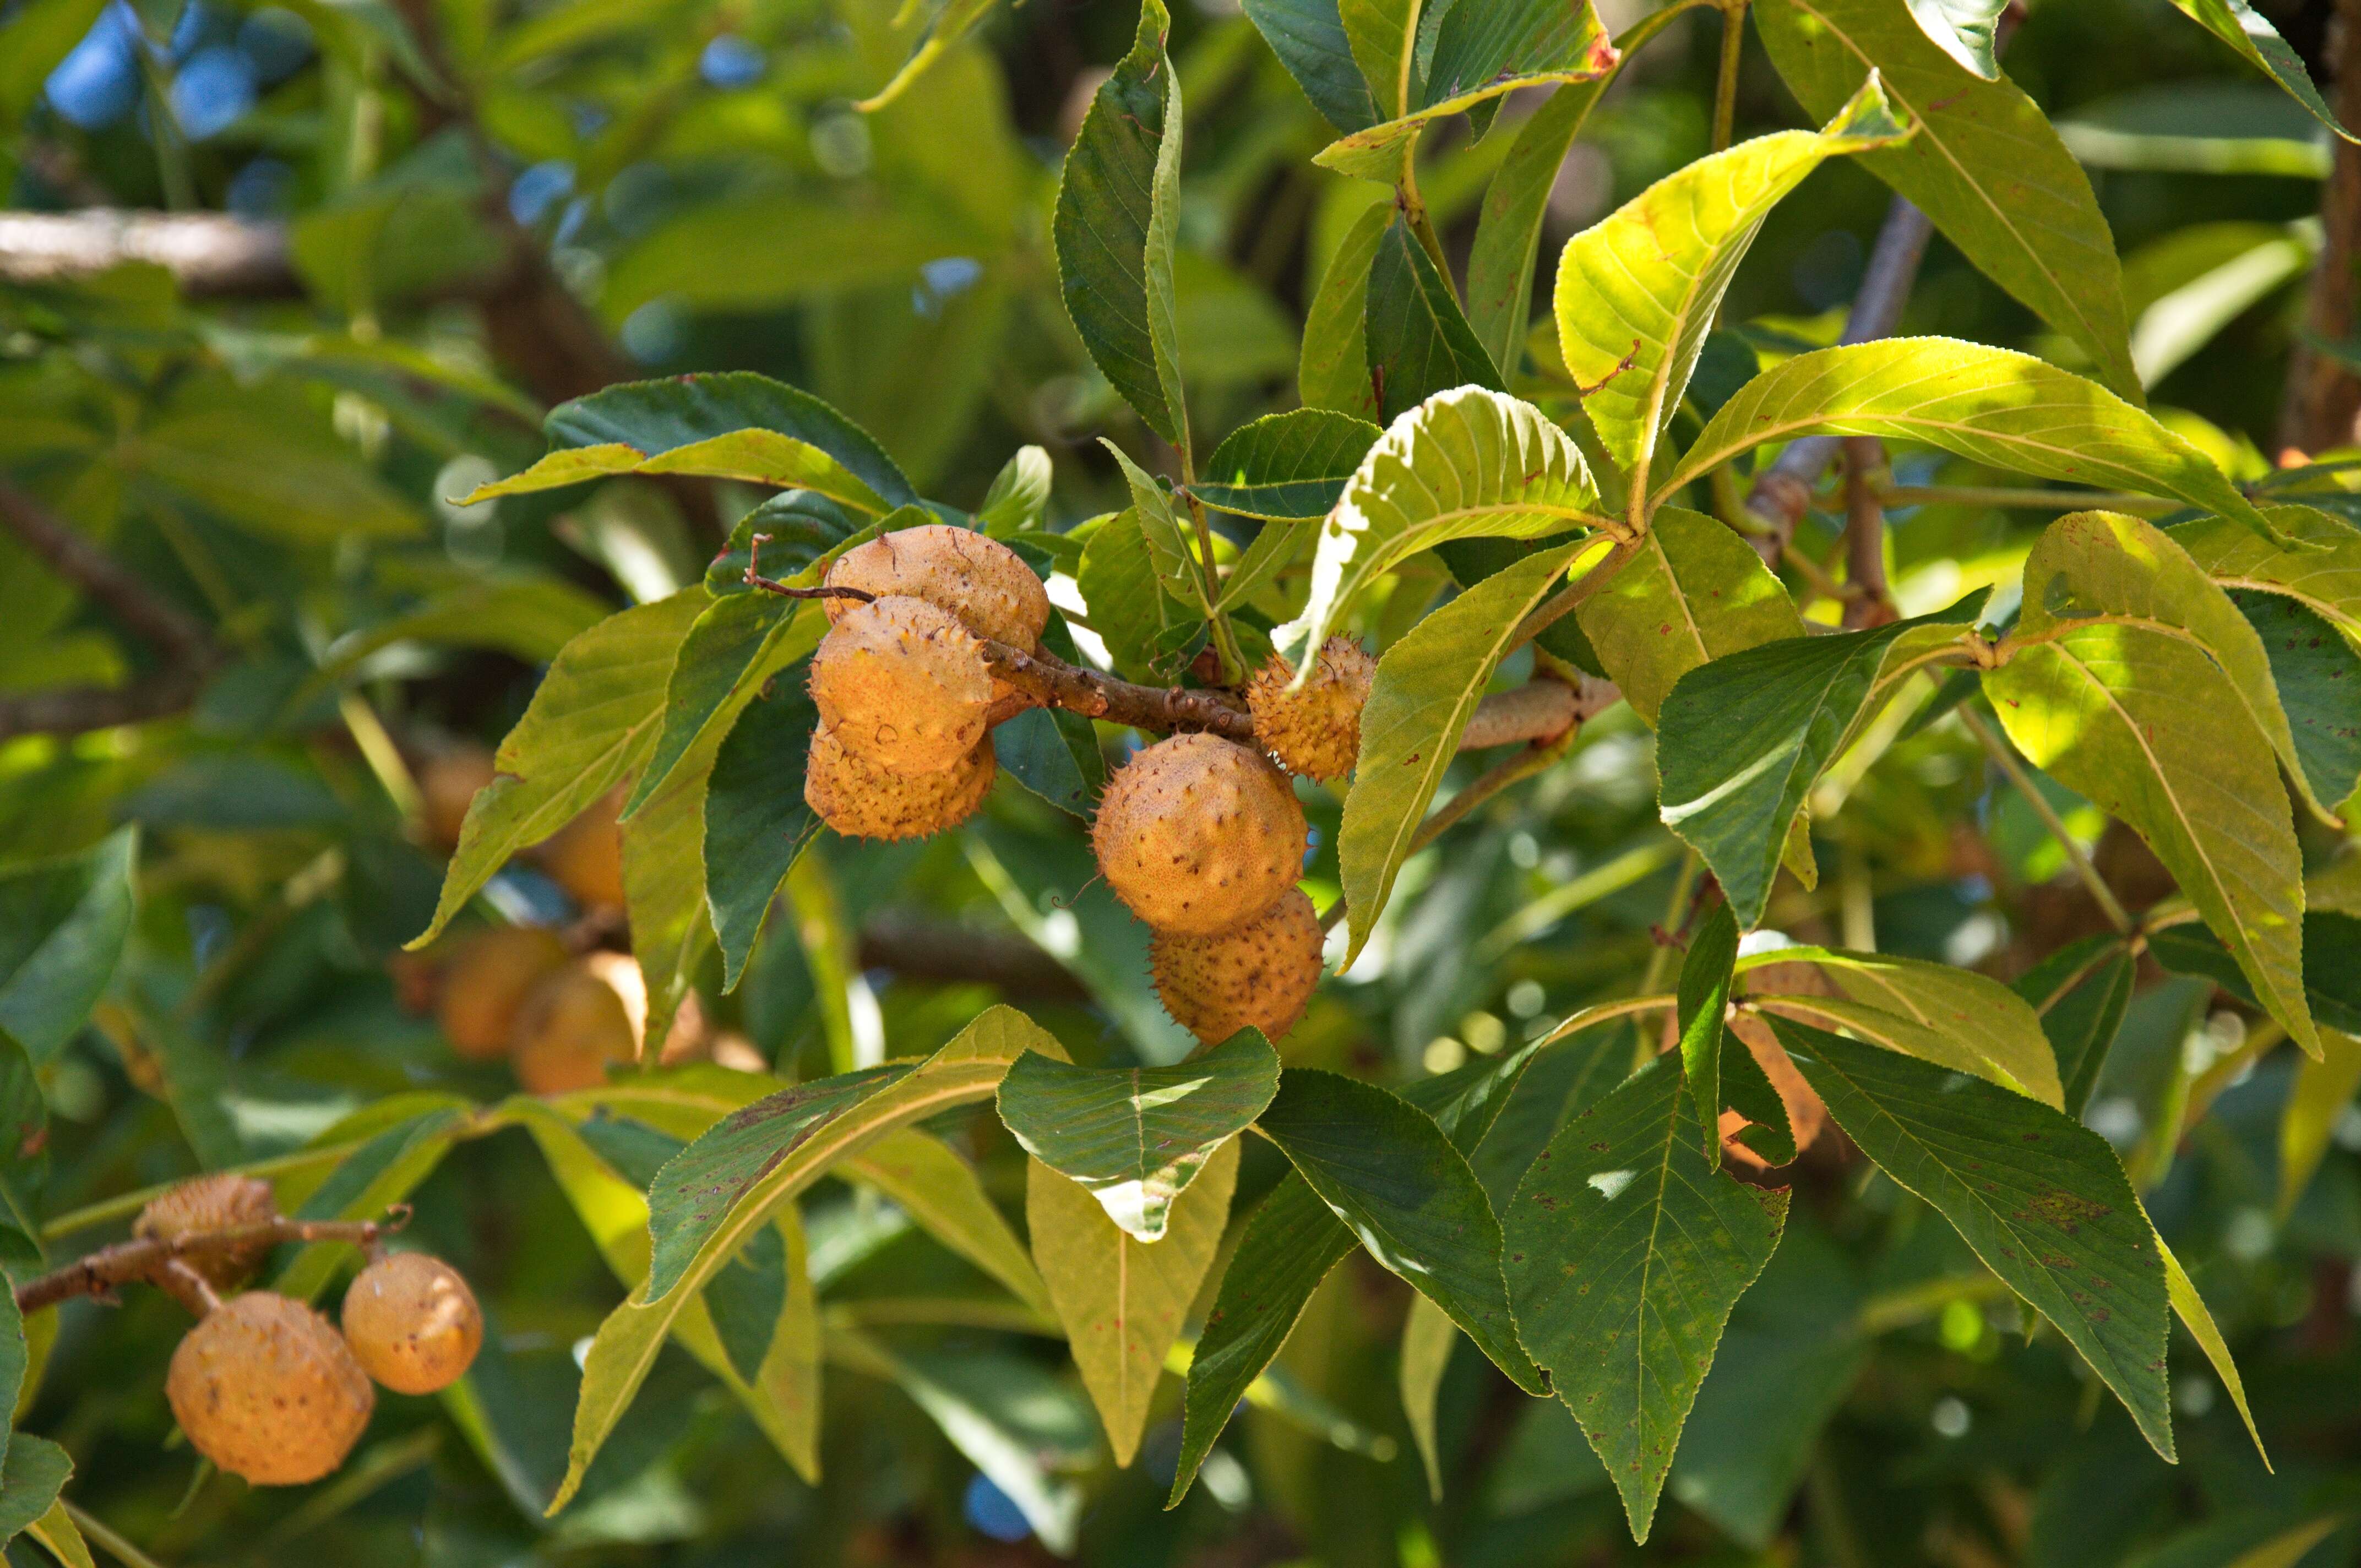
x=862, y=800
x=489, y=975
x=1197, y=834
x=267, y=1390
x=586, y=856
x=220, y=1201
x=981, y=581
x=1315, y=731
x=577, y=1022
x=903, y=683
x=1261, y=973
x=412, y=1322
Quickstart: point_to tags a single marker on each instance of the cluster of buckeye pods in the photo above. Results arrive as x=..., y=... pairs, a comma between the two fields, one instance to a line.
x=268, y=1388
x=1201, y=836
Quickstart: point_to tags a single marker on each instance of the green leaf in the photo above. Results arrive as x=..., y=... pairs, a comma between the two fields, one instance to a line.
x=732, y=647
x=2314, y=671
x=528, y=618
x=797, y=527
x=1426, y=688
x=1704, y=998
x=2041, y=1199
x=1509, y=229
x=2245, y=30
x=1055, y=754
x=34, y=39
x=1627, y=1247
x=62, y=927
x=1747, y=1089
x=2136, y=715
x=289, y=483
x=2080, y=993
x=1019, y=495
x=1387, y=1170
x=1741, y=740
x=2190, y=1308
x=1286, y=466
x=16, y=1358
x=1985, y=165
x=1333, y=369
x=1416, y=336
x=1115, y=229
x=716, y=1192
x=1308, y=36
x=33, y=1474
x=1149, y=633
x=663, y=881
x=62, y=1538
x=1472, y=58
x=2097, y=563
x=1136, y=1137
x=593, y=718
x=1463, y=464
x=757, y=820
x=2307, y=1127
x=379, y=1174
x=1638, y=292
x=1120, y=1297
x=1690, y=592
x=2332, y=981
x=1428, y=1338
x=928, y=1181
x=953, y=22
x=733, y=425
x=2323, y=573
x=1383, y=36
x=1964, y=29
x=1160, y=527
x=1953, y=1017
x=1290, y=1243
x=1988, y=405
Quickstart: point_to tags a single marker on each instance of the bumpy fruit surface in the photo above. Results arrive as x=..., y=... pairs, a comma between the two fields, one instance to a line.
x=412, y=1323
x=1315, y=731
x=486, y=981
x=577, y=1022
x=218, y=1202
x=586, y=856
x=1261, y=973
x=903, y=683
x=447, y=784
x=978, y=579
x=862, y=800
x=1198, y=834
x=267, y=1389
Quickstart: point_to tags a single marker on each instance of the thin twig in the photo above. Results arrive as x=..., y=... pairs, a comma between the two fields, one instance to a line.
x=1725, y=96
x=1864, y=535
x=154, y=1259
x=2027, y=497
x=1999, y=752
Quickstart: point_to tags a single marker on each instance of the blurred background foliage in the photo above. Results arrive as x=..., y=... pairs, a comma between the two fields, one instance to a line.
x=398, y=231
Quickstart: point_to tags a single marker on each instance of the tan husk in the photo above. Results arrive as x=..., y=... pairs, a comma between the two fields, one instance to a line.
x=222, y=1202
x=578, y=1021
x=1198, y=834
x=412, y=1322
x=485, y=981
x=1315, y=731
x=1262, y=973
x=267, y=1390
x=586, y=856
x=981, y=581
x=861, y=800
x=903, y=683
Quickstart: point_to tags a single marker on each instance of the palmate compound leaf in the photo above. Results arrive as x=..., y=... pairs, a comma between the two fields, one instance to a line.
x=1291, y=1242
x=1419, y=73
x=1386, y=1169
x=1702, y=1001
x=2135, y=712
x=1332, y=369
x=62, y=927
x=1638, y=292
x=1951, y=1017
x=1991, y=405
x=1739, y=741
x=1964, y=29
x=732, y=424
x=1465, y=463
x=1135, y=1138
x=1627, y=1247
x=1986, y=166
x=2041, y=1199
x=1115, y=229
x=1120, y=1297
x=593, y=718
x=756, y=819
x=1308, y=36
x=1427, y=687
x=1416, y=339
x=2245, y=31
x=711, y=1197
x=2080, y=993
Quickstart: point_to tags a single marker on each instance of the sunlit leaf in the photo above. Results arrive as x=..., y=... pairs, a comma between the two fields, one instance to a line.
x=1333, y=369
x=1690, y=591
x=1286, y=466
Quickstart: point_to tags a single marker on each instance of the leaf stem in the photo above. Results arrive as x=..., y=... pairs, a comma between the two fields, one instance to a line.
x=1725, y=96
x=1225, y=639
x=2000, y=753
x=1413, y=208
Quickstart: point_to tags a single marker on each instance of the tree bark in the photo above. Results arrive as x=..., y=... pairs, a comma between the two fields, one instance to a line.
x=2324, y=397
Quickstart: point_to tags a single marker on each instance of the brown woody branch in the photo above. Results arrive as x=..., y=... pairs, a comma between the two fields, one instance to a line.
x=1867, y=603
x=158, y=1260
x=184, y=647
x=942, y=950
x=2322, y=406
